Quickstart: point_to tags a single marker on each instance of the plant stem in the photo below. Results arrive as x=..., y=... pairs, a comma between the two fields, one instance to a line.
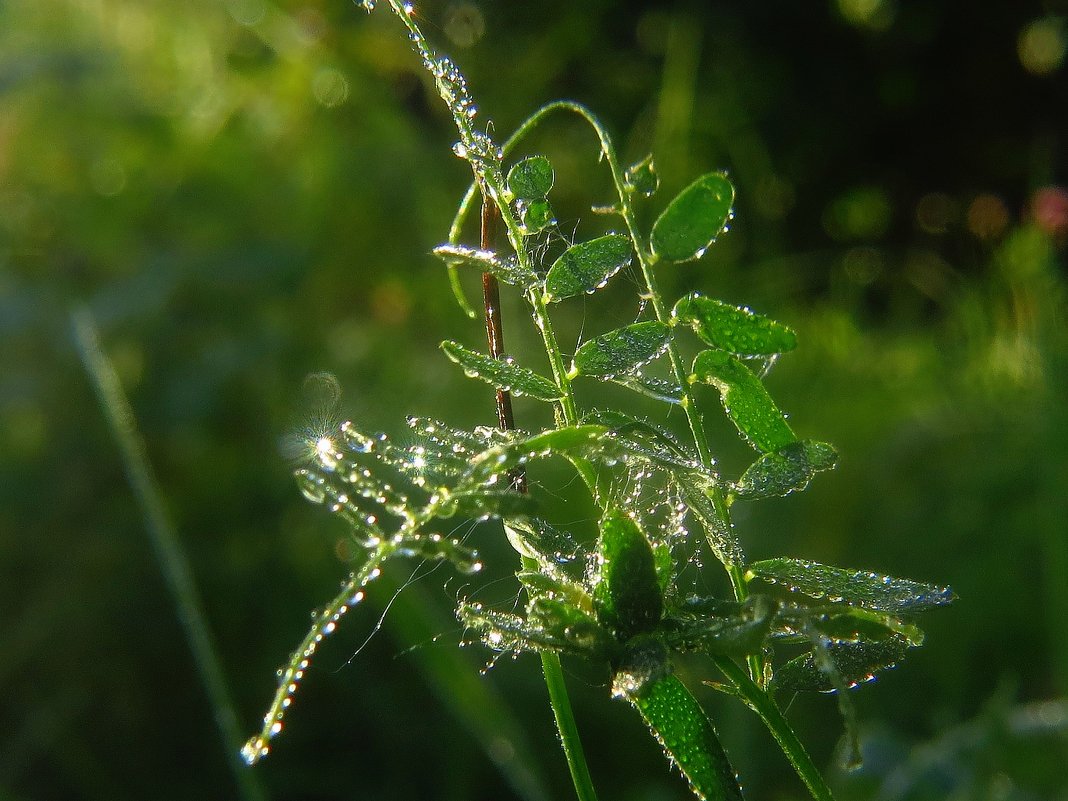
x=761, y=702
x=646, y=260
x=565, y=724
x=550, y=662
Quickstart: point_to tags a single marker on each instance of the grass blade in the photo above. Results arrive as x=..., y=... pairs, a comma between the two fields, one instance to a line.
x=165, y=544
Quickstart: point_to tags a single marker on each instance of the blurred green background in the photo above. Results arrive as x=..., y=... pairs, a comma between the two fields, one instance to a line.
x=244, y=192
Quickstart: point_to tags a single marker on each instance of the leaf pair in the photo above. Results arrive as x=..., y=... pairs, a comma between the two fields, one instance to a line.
x=859, y=632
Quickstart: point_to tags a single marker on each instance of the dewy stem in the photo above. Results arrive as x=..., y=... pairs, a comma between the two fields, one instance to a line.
x=646, y=260
x=491, y=183
x=761, y=702
x=550, y=663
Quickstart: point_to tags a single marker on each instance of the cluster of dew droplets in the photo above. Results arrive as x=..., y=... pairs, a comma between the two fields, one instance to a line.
x=291, y=675
x=345, y=476
x=475, y=146
x=858, y=587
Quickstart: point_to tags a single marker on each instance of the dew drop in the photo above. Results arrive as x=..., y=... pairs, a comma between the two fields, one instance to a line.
x=311, y=486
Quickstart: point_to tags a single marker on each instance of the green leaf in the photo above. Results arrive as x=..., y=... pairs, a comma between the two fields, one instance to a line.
x=745, y=400
x=854, y=587
x=622, y=351
x=568, y=623
x=739, y=634
x=486, y=261
x=681, y=726
x=641, y=178
x=626, y=592
x=531, y=178
x=587, y=267
x=697, y=493
x=502, y=373
x=535, y=216
x=585, y=442
x=538, y=540
x=491, y=502
x=734, y=329
x=660, y=389
x=854, y=623
x=642, y=438
x=505, y=631
x=787, y=470
x=855, y=663
x=694, y=219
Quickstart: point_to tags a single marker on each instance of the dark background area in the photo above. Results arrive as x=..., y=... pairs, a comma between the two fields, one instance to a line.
x=244, y=192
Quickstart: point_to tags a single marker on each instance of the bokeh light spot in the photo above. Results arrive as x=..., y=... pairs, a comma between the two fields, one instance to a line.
x=862, y=213
x=863, y=265
x=247, y=12
x=464, y=24
x=876, y=15
x=1049, y=209
x=391, y=302
x=774, y=197
x=330, y=87
x=988, y=216
x=1042, y=45
x=107, y=176
x=936, y=212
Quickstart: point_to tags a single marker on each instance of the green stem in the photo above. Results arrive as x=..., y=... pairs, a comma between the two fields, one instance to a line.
x=566, y=726
x=761, y=702
x=646, y=260
x=492, y=184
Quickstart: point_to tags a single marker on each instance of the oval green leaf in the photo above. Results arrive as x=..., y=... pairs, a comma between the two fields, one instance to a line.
x=854, y=587
x=535, y=215
x=627, y=592
x=502, y=373
x=787, y=470
x=531, y=178
x=687, y=735
x=622, y=351
x=587, y=267
x=734, y=329
x=694, y=219
x=745, y=400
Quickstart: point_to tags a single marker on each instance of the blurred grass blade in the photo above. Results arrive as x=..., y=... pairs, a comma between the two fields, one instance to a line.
x=734, y=329
x=789, y=469
x=622, y=351
x=170, y=557
x=455, y=680
x=693, y=220
x=855, y=587
x=586, y=267
x=502, y=373
x=745, y=400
